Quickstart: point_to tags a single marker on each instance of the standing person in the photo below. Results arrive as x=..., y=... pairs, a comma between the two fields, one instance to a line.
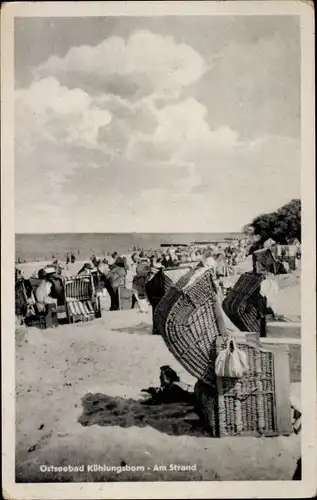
x=130, y=277
x=142, y=274
x=67, y=259
x=115, y=278
x=42, y=292
x=169, y=259
x=164, y=260
x=58, y=266
x=131, y=271
x=72, y=258
x=103, y=266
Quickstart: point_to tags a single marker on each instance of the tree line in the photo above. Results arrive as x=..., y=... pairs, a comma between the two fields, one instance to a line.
x=283, y=225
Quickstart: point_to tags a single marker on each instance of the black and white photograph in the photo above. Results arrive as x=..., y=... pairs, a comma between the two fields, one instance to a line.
x=161, y=231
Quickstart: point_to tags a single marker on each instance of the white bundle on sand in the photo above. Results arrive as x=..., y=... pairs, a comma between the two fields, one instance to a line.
x=269, y=289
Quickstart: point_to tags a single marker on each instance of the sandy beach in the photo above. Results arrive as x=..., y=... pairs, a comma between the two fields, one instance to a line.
x=108, y=362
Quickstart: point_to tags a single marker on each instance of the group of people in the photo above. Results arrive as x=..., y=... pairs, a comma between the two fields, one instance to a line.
x=133, y=271
x=32, y=299
x=111, y=272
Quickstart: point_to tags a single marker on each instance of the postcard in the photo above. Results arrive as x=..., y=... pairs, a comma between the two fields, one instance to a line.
x=158, y=212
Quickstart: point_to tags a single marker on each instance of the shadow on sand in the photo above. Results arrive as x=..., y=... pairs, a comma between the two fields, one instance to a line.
x=174, y=419
x=141, y=328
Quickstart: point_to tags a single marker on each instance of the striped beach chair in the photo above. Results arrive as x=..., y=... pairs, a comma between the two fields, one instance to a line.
x=82, y=304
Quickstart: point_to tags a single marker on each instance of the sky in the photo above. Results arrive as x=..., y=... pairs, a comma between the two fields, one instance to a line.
x=155, y=124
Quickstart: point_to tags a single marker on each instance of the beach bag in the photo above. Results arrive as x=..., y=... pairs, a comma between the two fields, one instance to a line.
x=231, y=362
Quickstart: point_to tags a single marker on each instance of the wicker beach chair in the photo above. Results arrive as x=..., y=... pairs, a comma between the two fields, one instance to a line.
x=264, y=260
x=189, y=319
x=82, y=304
x=28, y=311
x=244, y=304
x=98, y=281
x=172, y=275
x=257, y=404
x=160, y=284
x=23, y=291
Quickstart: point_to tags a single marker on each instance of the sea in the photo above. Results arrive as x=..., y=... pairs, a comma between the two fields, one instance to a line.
x=37, y=247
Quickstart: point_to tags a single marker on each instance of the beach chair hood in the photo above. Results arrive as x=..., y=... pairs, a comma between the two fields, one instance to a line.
x=189, y=319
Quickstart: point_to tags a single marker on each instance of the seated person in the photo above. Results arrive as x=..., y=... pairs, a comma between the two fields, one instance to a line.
x=171, y=389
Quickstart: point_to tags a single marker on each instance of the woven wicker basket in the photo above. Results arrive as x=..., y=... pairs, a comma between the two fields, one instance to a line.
x=188, y=319
x=264, y=260
x=253, y=405
x=244, y=304
x=160, y=284
x=173, y=275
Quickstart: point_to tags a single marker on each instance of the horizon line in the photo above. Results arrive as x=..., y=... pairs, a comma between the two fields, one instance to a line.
x=131, y=232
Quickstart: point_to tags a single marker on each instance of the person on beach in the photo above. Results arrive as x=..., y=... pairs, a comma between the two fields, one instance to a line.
x=99, y=274
x=43, y=291
x=141, y=274
x=24, y=297
x=95, y=261
x=171, y=389
x=158, y=263
x=59, y=267
x=110, y=262
x=164, y=260
x=103, y=267
x=116, y=278
x=208, y=259
x=130, y=279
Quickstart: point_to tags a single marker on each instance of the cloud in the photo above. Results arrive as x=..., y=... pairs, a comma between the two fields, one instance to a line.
x=145, y=64
x=254, y=85
x=55, y=113
x=181, y=133
x=107, y=140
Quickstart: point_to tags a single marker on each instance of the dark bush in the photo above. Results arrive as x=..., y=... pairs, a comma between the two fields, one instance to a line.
x=282, y=226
